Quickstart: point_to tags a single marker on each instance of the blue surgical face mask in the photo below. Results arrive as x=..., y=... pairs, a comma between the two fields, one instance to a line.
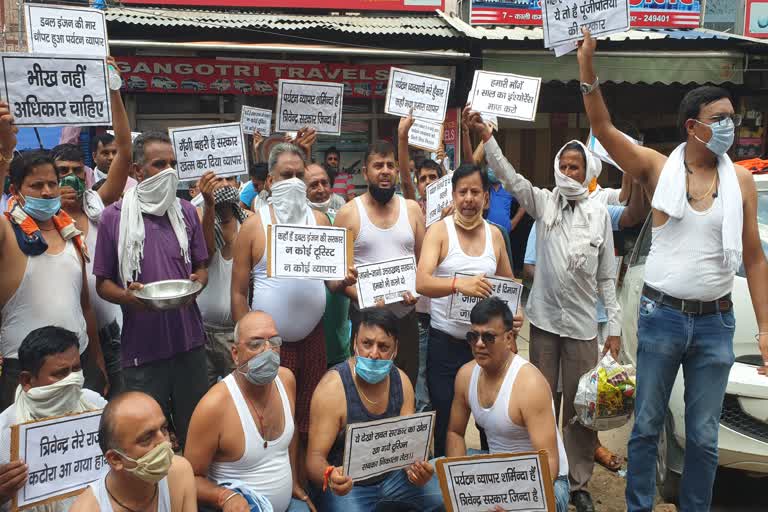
x=41, y=209
x=492, y=176
x=723, y=133
x=372, y=371
x=262, y=369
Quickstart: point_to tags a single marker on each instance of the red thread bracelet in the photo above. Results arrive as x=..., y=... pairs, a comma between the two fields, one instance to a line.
x=453, y=285
x=327, y=476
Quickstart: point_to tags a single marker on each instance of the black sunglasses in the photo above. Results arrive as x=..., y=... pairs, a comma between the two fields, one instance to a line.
x=487, y=337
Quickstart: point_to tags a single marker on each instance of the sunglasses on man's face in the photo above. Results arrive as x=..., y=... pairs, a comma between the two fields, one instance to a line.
x=488, y=338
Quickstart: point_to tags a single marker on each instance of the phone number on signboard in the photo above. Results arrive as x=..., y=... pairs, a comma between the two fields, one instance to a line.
x=652, y=18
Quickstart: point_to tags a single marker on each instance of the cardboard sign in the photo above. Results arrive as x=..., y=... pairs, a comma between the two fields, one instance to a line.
x=513, y=481
x=563, y=22
x=66, y=30
x=425, y=135
x=212, y=147
x=301, y=103
x=256, y=120
x=308, y=252
x=599, y=151
x=504, y=288
x=385, y=281
x=55, y=91
x=505, y=95
x=381, y=446
x=439, y=195
x=425, y=96
x=63, y=456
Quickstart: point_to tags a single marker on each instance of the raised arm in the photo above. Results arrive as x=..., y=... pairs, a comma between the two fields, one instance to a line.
x=208, y=183
x=8, y=132
x=305, y=139
x=403, y=157
x=121, y=165
x=638, y=205
x=643, y=164
x=466, y=145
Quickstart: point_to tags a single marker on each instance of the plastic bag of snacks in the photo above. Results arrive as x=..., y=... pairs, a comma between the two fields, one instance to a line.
x=605, y=397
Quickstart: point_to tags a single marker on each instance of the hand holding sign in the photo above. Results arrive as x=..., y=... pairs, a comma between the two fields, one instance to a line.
x=8, y=132
x=475, y=123
x=587, y=47
x=340, y=483
x=12, y=478
x=420, y=473
x=474, y=286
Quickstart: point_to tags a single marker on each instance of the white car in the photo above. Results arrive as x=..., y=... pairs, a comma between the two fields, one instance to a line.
x=162, y=82
x=743, y=432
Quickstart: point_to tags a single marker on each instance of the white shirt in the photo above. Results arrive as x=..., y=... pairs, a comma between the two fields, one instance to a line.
x=562, y=302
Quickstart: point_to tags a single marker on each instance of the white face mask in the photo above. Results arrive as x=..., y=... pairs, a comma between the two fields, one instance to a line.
x=62, y=397
x=158, y=193
x=321, y=207
x=289, y=200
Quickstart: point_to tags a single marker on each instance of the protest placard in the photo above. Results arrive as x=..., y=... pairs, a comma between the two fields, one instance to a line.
x=308, y=252
x=439, y=195
x=256, y=120
x=425, y=96
x=599, y=151
x=504, y=288
x=56, y=91
x=376, y=447
x=512, y=481
x=505, y=95
x=55, y=29
x=564, y=19
x=63, y=456
x=302, y=103
x=425, y=135
x=385, y=281
x=211, y=147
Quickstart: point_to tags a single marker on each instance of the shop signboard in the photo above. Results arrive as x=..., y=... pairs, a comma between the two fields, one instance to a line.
x=756, y=19
x=642, y=13
x=347, y=5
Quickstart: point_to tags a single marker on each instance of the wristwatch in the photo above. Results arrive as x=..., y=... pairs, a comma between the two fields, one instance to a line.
x=588, y=88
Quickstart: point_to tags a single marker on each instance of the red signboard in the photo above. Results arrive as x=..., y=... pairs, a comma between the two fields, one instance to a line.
x=243, y=77
x=344, y=5
x=756, y=19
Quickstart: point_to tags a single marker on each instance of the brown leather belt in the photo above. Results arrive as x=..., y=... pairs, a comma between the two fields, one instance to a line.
x=687, y=306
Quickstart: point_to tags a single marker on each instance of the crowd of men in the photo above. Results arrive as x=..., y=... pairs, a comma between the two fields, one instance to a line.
x=240, y=400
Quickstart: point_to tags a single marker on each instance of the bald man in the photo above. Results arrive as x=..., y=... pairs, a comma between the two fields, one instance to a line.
x=243, y=428
x=144, y=474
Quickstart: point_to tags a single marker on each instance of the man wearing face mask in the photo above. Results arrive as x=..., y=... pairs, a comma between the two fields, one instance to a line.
x=232, y=465
x=41, y=250
x=575, y=265
x=386, y=226
x=296, y=305
x=319, y=194
x=149, y=236
x=461, y=242
x=704, y=229
x=366, y=387
x=50, y=384
x=144, y=474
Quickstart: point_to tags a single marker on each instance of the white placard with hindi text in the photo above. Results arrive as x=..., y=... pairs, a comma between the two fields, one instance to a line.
x=212, y=147
x=56, y=91
x=439, y=195
x=302, y=103
x=256, y=120
x=425, y=135
x=377, y=447
x=425, y=96
x=505, y=95
x=385, y=281
x=599, y=151
x=55, y=29
x=63, y=456
x=564, y=20
x=510, y=481
x=307, y=252
x=504, y=288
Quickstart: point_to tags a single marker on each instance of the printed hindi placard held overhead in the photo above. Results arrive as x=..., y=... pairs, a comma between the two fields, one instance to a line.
x=56, y=91
x=564, y=19
x=63, y=456
x=385, y=281
x=508, y=290
x=425, y=135
x=308, y=252
x=256, y=120
x=302, y=103
x=211, y=147
x=426, y=96
x=505, y=95
x=55, y=29
x=512, y=481
x=377, y=447
x=439, y=195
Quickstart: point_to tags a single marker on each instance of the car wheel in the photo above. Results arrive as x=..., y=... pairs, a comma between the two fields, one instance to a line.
x=667, y=481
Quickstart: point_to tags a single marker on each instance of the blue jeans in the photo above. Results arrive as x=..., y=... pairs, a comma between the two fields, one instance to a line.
x=422, y=391
x=394, y=491
x=703, y=345
x=297, y=506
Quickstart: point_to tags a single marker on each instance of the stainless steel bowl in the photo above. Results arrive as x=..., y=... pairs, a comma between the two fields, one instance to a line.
x=170, y=294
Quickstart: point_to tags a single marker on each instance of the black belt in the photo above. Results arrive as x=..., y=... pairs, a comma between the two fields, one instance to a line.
x=691, y=307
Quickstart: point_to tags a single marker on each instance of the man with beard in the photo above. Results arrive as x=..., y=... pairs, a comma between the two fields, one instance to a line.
x=104, y=149
x=50, y=384
x=386, y=227
x=296, y=305
x=149, y=236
